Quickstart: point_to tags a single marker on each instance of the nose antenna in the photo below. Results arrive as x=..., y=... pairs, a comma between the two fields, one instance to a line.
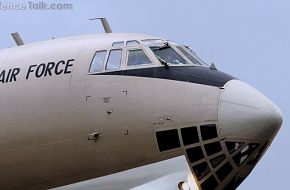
x=212, y=66
x=17, y=38
x=105, y=24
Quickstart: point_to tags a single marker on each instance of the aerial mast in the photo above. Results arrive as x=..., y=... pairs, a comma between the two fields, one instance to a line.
x=17, y=38
x=105, y=24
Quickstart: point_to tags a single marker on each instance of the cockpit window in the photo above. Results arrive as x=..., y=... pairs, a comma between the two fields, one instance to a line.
x=180, y=54
x=188, y=55
x=132, y=43
x=168, y=54
x=98, y=61
x=153, y=42
x=137, y=57
x=118, y=44
x=114, y=59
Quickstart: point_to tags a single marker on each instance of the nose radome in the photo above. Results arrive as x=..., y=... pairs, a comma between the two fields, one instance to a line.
x=244, y=112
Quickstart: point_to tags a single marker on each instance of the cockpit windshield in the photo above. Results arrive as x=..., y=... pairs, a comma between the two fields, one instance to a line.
x=173, y=53
x=169, y=55
x=188, y=54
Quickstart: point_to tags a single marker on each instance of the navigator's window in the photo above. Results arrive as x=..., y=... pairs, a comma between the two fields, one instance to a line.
x=98, y=61
x=114, y=59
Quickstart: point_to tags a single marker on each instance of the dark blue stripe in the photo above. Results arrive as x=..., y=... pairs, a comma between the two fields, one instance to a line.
x=192, y=74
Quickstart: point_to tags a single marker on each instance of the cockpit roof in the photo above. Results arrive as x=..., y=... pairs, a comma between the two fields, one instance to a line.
x=105, y=39
x=100, y=40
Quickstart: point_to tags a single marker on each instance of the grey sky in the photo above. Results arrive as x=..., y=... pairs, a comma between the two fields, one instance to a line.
x=249, y=39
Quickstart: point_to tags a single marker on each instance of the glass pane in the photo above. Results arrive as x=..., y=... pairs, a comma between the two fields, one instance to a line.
x=258, y=154
x=151, y=42
x=118, y=44
x=244, y=153
x=132, y=43
x=209, y=183
x=189, y=135
x=208, y=131
x=97, y=63
x=114, y=60
x=217, y=160
x=233, y=146
x=167, y=139
x=224, y=171
x=138, y=57
x=169, y=55
x=188, y=55
x=194, y=154
x=235, y=182
x=201, y=170
x=212, y=148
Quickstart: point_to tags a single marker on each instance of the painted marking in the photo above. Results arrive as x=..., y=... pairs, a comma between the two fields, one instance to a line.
x=37, y=71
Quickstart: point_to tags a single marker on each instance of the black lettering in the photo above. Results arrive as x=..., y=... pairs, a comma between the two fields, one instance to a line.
x=40, y=70
x=15, y=72
x=57, y=71
x=30, y=70
x=67, y=66
x=2, y=76
x=49, y=67
x=8, y=75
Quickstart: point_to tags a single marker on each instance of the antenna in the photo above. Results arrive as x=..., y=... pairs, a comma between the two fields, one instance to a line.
x=105, y=24
x=212, y=66
x=17, y=38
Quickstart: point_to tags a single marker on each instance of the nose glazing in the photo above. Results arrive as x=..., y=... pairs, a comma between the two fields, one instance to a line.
x=244, y=112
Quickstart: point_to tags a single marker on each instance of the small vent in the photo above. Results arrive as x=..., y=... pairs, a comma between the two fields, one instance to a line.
x=224, y=171
x=217, y=160
x=194, y=154
x=189, y=135
x=212, y=148
x=210, y=183
x=208, y=132
x=201, y=170
x=168, y=139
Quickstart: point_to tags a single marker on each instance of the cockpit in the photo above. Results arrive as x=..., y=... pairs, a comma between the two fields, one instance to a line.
x=144, y=53
x=173, y=53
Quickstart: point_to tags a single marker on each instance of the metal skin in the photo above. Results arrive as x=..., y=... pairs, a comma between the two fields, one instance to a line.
x=47, y=122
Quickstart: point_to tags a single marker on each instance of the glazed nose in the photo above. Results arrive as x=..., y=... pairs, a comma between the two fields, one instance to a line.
x=244, y=112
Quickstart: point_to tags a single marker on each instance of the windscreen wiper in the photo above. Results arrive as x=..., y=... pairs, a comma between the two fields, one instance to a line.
x=163, y=62
x=165, y=46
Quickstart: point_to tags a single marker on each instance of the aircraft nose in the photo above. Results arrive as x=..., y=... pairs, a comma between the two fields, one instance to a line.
x=244, y=112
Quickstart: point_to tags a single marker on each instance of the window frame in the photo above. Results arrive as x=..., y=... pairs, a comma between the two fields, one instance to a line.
x=195, y=56
x=121, y=44
x=107, y=59
x=180, y=52
x=146, y=42
x=104, y=61
x=189, y=63
x=139, y=47
x=124, y=58
x=132, y=45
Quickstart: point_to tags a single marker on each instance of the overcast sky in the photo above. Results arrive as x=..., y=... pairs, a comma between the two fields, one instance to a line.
x=249, y=39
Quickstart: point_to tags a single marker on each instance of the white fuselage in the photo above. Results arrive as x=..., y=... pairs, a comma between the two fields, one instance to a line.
x=59, y=124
